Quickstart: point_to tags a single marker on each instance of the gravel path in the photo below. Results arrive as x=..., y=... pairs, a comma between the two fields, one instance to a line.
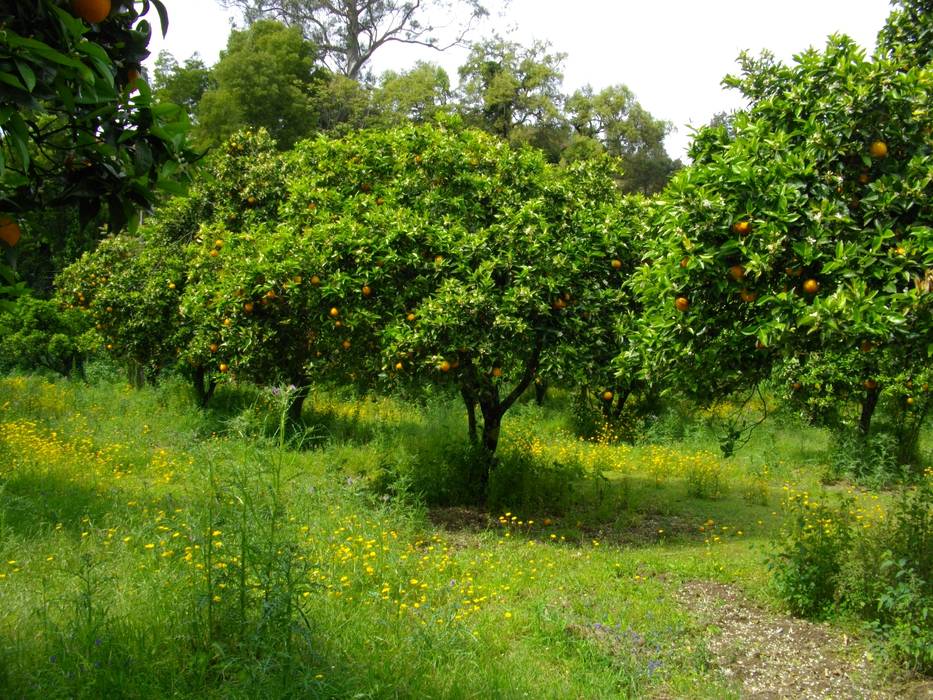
x=774, y=656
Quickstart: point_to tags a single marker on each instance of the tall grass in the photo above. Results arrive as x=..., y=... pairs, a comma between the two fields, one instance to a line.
x=148, y=550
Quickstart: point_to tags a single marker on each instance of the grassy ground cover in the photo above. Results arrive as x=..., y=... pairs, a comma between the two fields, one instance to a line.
x=151, y=550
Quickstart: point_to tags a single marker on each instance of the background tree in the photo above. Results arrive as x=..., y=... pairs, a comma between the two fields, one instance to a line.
x=183, y=85
x=266, y=78
x=416, y=95
x=514, y=91
x=626, y=130
x=348, y=32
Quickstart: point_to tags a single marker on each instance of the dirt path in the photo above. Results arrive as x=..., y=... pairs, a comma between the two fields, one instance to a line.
x=774, y=656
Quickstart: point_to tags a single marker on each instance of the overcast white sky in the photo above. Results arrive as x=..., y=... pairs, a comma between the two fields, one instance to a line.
x=671, y=53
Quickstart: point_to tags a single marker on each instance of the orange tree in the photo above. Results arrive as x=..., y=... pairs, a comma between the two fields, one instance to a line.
x=130, y=288
x=420, y=254
x=803, y=226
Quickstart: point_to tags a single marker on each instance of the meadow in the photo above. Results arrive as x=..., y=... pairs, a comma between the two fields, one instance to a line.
x=148, y=549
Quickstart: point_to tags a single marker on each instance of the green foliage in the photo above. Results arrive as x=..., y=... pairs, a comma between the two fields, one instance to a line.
x=37, y=335
x=265, y=79
x=77, y=129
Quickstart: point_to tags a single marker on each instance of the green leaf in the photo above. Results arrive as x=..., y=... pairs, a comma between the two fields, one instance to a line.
x=29, y=77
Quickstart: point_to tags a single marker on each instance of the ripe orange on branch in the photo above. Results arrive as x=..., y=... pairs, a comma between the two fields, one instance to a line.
x=737, y=272
x=878, y=149
x=607, y=395
x=681, y=304
x=91, y=11
x=741, y=227
x=811, y=286
x=9, y=231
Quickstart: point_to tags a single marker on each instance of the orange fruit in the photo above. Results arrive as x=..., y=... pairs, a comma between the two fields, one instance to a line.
x=559, y=304
x=607, y=395
x=251, y=201
x=345, y=345
x=681, y=304
x=684, y=262
x=910, y=400
x=91, y=11
x=439, y=259
x=737, y=272
x=870, y=384
x=223, y=367
x=748, y=296
x=218, y=243
x=315, y=280
x=297, y=279
x=410, y=317
x=864, y=178
x=811, y=286
x=796, y=386
x=367, y=290
x=741, y=227
x=171, y=285
x=248, y=307
x=616, y=264
x=214, y=253
x=497, y=372
x=444, y=366
x=334, y=312
x=878, y=149
x=270, y=294
x=398, y=365
x=213, y=347
x=9, y=231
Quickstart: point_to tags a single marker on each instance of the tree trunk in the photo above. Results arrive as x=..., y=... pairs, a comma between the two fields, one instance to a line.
x=470, y=401
x=135, y=374
x=203, y=393
x=298, y=401
x=492, y=424
x=620, y=403
x=540, y=391
x=868, y=409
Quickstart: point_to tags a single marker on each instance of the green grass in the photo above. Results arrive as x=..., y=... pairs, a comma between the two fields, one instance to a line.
x=148, y=549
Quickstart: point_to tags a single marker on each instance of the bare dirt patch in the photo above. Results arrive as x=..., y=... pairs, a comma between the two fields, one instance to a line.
x=774, y=656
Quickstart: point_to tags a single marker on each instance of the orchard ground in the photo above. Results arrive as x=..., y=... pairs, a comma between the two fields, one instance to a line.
x=149, y=549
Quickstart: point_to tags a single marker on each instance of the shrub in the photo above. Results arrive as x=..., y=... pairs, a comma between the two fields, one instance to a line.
x=855, y=556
